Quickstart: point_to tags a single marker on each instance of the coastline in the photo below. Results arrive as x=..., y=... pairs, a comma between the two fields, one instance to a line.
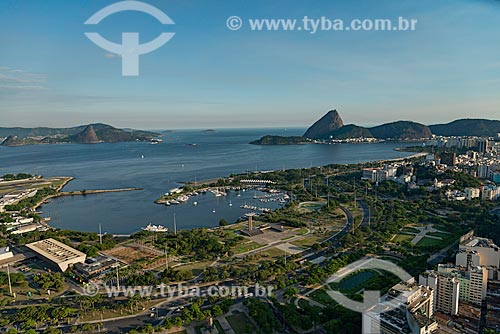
x=413, y=156
x=60, y=193
x=67, y=179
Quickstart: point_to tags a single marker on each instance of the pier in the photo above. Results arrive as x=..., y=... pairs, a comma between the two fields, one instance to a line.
x=95, y=191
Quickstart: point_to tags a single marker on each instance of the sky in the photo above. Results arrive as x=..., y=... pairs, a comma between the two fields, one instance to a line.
x=208, y=76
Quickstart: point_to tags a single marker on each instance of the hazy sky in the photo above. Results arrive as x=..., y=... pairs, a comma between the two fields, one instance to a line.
x=210, y=76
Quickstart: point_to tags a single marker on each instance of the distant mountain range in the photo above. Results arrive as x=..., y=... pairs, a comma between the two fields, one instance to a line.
x=84, y=134
x=331, y=126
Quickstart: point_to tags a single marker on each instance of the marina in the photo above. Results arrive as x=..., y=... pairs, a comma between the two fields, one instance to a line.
x=166, y=166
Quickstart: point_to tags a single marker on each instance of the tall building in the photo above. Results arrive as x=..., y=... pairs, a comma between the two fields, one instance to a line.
x=476, y=251
x=449, y=159
x=491, y=193
x=446, y=291
x=416, y=309
x=471, y=193
x=453, y=285
x=483, y=146
x=473, y=282
x=447, y=294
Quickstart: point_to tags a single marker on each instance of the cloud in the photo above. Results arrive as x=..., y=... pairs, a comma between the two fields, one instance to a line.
x=111, y=55
x=21, y=80
x=22, y=87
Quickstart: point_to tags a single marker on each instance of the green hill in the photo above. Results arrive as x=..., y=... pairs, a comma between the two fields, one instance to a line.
x=467, y=127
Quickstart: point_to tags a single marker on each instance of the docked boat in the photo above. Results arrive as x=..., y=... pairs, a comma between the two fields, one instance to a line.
x=155, y=228
x=156, y=141
x=183, y=198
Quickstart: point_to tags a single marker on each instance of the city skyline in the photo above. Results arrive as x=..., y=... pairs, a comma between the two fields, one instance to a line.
x=209, y=76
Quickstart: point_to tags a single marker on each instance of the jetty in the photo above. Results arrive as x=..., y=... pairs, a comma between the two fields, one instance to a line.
x=94, y=191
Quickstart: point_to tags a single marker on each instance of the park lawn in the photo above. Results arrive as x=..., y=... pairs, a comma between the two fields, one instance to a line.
x=196, y=266
x=403, y=237
x=309, y=240
x=322, y=297
x=272, y=252
x=410, y=230
x=429, y=242
x=240, y=323
x=246, y=247
x=303, y=304
x=441, y=235
x=219, y=327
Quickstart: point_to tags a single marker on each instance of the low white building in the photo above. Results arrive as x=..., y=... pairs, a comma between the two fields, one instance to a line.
x=5, y=253
x=471, y=193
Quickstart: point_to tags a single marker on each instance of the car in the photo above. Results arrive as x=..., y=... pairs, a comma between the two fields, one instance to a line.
x=153, y=309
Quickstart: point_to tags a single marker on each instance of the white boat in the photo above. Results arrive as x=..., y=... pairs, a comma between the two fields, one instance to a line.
x=156, y=141
x=183, y=198
x=142, y=156
x=155, y=228
x=213, y=211
x=167, y=203
x=175, y=202
x=195, y=203
x=230, y=203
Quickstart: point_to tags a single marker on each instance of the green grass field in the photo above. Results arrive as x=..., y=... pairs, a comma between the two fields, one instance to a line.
x=411, y=230
x=246, y=246
x=219, y=327
x=441, y=235
x=241, y=324
x=322, y=297
x=429, y=242
x=403, y=237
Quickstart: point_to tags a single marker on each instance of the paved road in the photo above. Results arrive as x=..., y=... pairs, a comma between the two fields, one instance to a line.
x=366, y=212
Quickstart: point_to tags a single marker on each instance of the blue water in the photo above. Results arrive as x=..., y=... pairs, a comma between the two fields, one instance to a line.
x=164, y=166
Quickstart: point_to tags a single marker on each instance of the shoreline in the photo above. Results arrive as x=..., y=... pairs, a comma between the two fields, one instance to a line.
x=207, y=182
x=67, y=179
x=60, y=193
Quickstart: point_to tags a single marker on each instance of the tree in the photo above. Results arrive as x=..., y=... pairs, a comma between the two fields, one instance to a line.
x=223, y=222
x=291, y=291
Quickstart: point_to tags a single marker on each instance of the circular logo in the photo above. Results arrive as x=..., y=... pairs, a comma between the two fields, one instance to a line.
x=90, y=289
x=234, y=23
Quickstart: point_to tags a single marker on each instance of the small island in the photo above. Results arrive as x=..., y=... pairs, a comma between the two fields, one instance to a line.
x=331, y=129
x=280, y=140
x=84, y=134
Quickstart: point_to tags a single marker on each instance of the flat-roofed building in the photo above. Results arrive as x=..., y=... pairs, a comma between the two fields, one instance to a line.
x=95, y=266
x=57, y=253
x=5, y=253
x=476, y=251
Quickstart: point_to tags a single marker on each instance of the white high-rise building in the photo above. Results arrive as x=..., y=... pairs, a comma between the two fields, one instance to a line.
x=475, y=251
x=446, y=290
x=471, y=193
x=453, y=285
